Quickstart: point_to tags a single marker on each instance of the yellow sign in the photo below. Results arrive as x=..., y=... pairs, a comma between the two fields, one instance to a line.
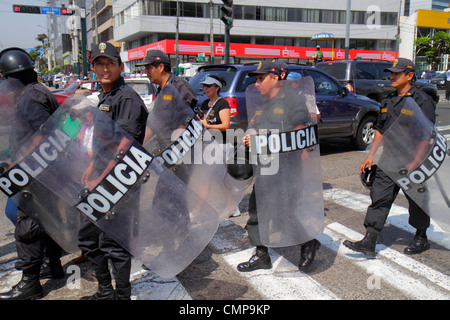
x=433, y=19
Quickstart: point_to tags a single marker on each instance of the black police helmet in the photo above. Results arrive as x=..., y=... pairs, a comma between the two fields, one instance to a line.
x=368, y=175
x=13, y=60
x=240, y=171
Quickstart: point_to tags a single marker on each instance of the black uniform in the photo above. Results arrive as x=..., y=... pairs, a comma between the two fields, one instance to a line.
x=384, y=190
x=183, y=88
x=127, y=109
x=278, y=114
x=34, y=107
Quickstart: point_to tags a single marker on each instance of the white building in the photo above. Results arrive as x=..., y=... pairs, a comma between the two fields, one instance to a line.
x=290, y=23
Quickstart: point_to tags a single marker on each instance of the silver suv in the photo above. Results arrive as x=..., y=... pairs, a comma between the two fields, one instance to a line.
x=343, y=114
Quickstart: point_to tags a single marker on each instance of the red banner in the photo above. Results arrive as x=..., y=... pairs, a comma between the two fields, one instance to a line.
x=255, y=50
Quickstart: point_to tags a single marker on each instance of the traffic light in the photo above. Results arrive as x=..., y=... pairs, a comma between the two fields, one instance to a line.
x=26, y=9
x=66, y=12
x=227, y=13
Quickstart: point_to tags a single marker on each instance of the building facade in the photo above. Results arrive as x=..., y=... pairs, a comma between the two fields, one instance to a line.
x=288, y=23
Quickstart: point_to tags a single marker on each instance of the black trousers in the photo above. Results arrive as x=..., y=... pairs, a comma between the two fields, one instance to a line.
x=383, y=194
x=99, y=248
x=252, y=223
x=33, y=244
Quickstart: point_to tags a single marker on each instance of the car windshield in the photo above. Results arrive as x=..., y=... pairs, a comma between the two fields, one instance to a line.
x=336, y=69
x=71, y=86
x=143, y=89
x=225, y=73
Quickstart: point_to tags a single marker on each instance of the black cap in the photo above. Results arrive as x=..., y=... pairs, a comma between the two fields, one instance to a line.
x=153, y=56
x=401, y=64
x=105, y=49
x=282, y=64
x=267, y=66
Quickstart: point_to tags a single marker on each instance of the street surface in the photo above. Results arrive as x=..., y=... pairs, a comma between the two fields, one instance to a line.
x=337, y=273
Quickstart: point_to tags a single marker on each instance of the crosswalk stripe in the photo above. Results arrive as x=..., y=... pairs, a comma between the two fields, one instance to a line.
x=149, y=286
x=443, y=128
x=387, y=270
x=398, y=258
x=283, y=282
x=398, y=215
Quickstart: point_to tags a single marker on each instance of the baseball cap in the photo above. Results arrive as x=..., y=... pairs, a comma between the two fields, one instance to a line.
x=282, y=64
x=105, y=49
x=266, y=66
x=211, y=80
x=401, y=64
x=153, y=56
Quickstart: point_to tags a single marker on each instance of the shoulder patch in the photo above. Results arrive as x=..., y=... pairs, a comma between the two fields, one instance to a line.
x=104, y=107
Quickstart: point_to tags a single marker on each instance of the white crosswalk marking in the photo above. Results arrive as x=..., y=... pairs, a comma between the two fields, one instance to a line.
x=398, y=216
x=410, y=277
x=416, y=285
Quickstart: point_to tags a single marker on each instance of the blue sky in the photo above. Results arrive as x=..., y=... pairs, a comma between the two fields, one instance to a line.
x=20, y=29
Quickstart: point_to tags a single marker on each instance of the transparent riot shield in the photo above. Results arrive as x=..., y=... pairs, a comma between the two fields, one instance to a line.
x=286, y=157
x=414, y=155
x=112, y=180
x=25, y=156
x=179, y=142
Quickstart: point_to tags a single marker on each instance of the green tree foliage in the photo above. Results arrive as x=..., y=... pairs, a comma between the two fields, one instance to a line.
x=433, y=48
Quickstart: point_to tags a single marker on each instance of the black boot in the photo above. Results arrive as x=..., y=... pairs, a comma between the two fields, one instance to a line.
x=420, y=243
x=260, y=260
x=308, y=253
x=28, y=288
x=105, y=289
x=123, y=292
x=366, y=245
x=52, y=269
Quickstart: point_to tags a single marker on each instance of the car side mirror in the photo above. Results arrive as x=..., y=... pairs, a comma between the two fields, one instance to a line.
x=344, y=91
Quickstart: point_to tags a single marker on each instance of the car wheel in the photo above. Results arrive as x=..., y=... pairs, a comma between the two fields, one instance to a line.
x=365, y=133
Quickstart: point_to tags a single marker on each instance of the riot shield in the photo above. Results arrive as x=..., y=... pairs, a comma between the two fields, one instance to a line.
x=286, y=157
x=122, y=189
x=414, y=155
x=25, y=156
x=179, y=142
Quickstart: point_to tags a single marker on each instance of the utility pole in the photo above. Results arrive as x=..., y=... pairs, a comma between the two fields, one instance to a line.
x=177, y=40
x=227, y=19
x=347, y=29
x=211, y=31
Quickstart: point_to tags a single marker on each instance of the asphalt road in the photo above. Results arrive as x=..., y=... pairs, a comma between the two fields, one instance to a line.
x=336, y=274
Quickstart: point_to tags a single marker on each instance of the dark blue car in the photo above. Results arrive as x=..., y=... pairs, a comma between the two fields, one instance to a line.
x=343, y=114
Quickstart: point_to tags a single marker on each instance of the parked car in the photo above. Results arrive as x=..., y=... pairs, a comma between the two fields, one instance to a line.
x=439, y=80
x=86, y=85
x=56, y=78
x=369, y=78
x=66, y=80
x=144, y=88
x=343, y=114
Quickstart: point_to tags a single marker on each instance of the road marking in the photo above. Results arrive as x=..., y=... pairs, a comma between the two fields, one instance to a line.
x=283, y=282
x=147, y=285
x=398, y=258
x=398, y=216
x=443, y=128
x=385, y=270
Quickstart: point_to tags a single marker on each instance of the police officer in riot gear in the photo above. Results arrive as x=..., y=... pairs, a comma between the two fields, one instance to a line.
x=127, y=109
x=384, y=190
x=35, y=106
x=158, y=69
x=267, y=80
